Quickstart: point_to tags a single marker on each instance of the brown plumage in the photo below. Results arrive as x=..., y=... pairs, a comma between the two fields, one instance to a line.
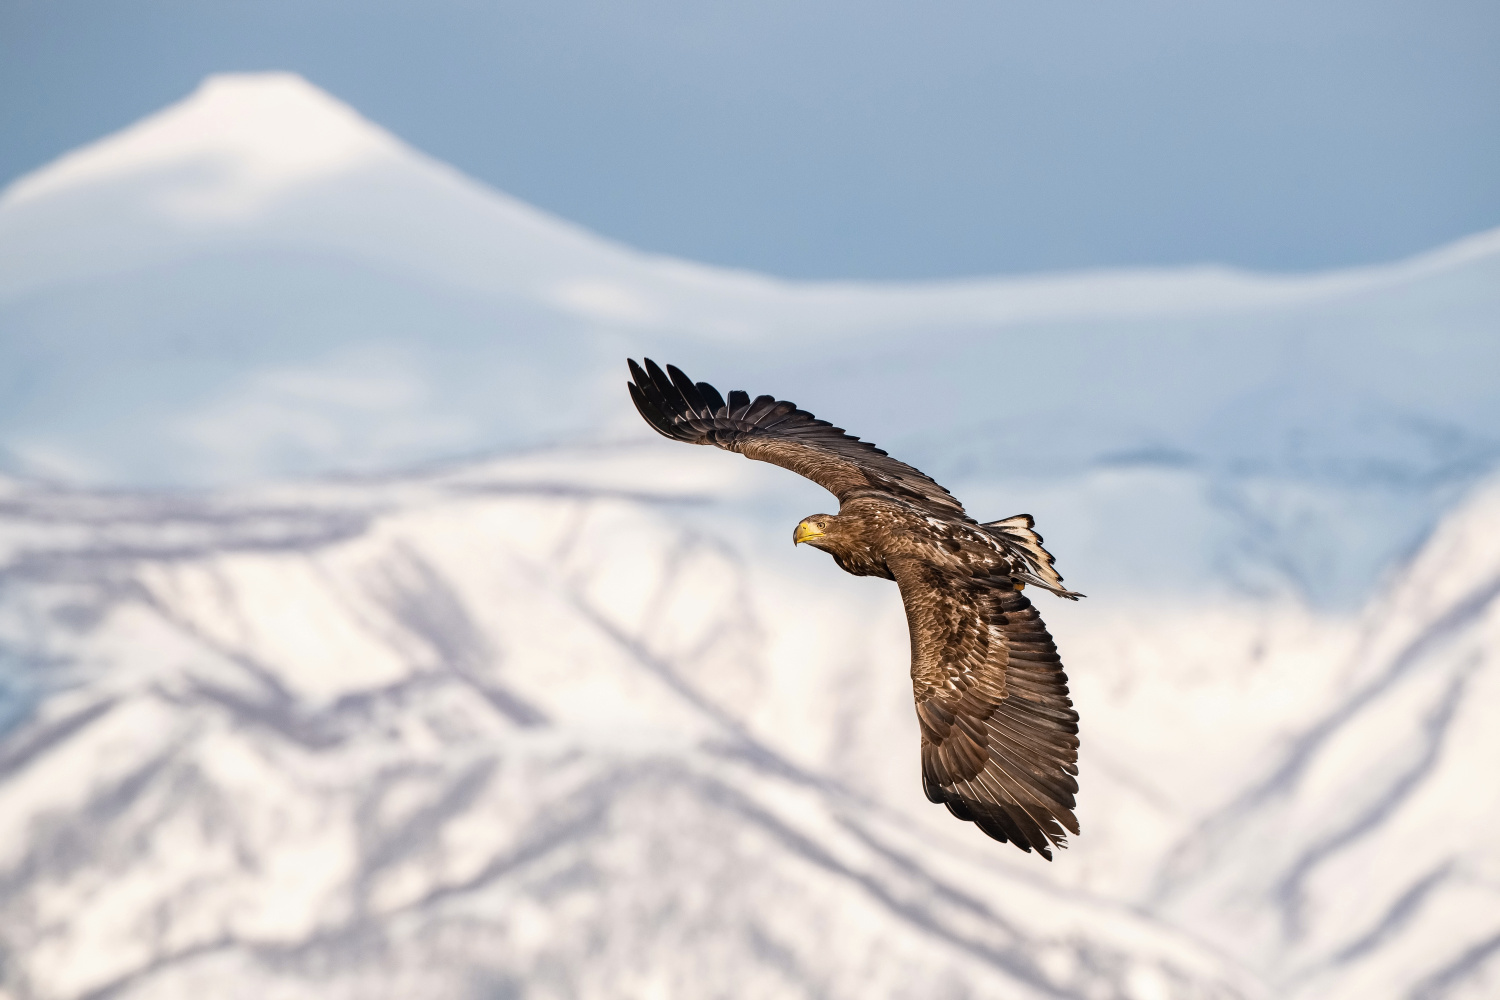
x=999, y=733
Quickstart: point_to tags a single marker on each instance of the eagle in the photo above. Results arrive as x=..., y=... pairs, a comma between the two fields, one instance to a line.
x=999, y=735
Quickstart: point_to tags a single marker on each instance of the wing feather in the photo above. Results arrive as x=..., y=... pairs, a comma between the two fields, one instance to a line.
x=711, y=396
x=776, y=431
x=999, y=743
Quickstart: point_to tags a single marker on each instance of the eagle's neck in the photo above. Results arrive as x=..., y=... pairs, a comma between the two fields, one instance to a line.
x=861, y=562
x=856, y=540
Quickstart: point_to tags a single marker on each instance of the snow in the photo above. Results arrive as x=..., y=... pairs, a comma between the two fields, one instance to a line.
x=213, y=297
x=525, y=730
x=497, y=724
x=259, y=135
x=576, y=720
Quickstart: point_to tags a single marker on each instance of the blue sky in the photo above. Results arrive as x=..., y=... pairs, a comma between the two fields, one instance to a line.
x=863, y=139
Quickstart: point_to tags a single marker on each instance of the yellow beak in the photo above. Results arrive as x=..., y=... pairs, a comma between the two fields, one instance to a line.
x=805, y=532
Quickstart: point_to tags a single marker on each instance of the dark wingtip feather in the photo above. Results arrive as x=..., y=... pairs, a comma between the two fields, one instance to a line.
x=659, y=392
x=644, y=408
x=650, y=413
x=660, y=379
x=758, y=409
x=689, y=391
x=711, y=396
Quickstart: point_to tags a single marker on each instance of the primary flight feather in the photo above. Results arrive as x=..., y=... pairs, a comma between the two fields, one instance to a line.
x=998, y=730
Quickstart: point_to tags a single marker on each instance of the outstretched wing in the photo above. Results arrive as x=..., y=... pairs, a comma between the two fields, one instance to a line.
x=999, y=733
x=773, y=430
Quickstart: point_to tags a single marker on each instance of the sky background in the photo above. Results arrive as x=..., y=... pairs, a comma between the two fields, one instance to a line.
x=862, y=139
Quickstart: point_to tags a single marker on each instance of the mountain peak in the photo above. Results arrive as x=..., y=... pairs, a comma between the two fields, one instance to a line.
x=258, y=132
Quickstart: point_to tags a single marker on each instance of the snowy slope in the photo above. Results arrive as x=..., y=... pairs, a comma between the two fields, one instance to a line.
x=576, y=724
x=1364, y=862
x=506, y=731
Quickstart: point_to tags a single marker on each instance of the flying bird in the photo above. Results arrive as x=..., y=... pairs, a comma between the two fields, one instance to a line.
x=998, y=730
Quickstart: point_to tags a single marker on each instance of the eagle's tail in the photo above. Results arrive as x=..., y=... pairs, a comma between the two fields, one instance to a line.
x=1017, y=534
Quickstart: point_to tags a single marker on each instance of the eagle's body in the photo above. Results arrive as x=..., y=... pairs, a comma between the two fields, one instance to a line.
x=999, y=743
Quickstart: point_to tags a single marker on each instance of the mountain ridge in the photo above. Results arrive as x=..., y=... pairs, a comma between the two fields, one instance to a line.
x=514, y=713
x=282, y=128
x=457, y=727
x=354, y=306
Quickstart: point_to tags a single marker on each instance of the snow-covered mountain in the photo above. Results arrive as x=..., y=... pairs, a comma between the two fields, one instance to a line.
x=577, y=721
x=1362, y=862
x=568, y=725
x=257, y=281
x=496, y=733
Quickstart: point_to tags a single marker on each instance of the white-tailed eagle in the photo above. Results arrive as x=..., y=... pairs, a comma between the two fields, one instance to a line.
x=999, y=733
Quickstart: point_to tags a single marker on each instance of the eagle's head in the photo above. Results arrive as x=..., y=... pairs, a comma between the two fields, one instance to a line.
x=842, y=538
x=816, y=531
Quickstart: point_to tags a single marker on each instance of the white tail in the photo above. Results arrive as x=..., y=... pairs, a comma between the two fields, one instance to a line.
x=1017, y=534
